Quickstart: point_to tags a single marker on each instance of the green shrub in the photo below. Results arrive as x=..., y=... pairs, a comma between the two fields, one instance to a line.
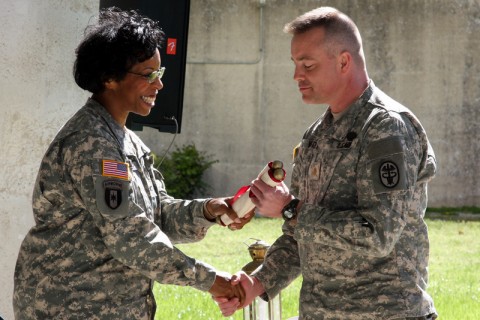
x=183, y=170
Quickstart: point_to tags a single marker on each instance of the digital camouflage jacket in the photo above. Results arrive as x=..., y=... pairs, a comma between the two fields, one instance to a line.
x=104, y=228
x=360, y=241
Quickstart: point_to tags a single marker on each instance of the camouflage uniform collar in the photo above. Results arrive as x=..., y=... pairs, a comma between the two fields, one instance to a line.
x=118, y=131
x=123, y=135
x=344, y=125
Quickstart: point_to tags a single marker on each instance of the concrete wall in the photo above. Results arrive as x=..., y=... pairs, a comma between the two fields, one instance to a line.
x=37, y=95
x=241, y=104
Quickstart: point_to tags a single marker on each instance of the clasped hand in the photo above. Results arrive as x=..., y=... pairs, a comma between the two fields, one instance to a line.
x=222, y=287
x=247, y=287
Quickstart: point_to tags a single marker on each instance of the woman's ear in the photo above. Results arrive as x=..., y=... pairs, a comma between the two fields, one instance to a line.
x=110, y=84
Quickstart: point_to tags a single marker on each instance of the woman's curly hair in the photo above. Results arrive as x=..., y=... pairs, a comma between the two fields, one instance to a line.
x=118, y=40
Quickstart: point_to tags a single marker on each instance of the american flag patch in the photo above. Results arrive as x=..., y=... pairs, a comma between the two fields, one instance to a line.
x=111, y=168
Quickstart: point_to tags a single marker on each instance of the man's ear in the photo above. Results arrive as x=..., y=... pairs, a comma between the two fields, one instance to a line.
x=345, y=61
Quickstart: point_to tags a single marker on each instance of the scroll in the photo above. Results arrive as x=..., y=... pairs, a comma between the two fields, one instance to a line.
x=272, y=174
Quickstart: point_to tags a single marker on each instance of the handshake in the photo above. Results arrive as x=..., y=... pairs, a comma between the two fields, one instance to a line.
x=235, y=292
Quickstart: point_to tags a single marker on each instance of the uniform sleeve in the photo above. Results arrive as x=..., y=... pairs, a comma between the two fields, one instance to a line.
x=389, y=164
x=130, y=235
x=281, y=265
x=182, y=220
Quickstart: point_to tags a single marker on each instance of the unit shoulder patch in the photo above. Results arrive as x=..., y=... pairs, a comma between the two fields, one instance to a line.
x=112, y=195
x=389, y=174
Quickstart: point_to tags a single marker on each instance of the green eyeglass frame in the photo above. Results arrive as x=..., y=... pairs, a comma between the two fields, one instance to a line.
x=151, y=77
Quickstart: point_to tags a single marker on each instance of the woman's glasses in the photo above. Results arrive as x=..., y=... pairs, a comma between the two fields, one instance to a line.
x=151, y=77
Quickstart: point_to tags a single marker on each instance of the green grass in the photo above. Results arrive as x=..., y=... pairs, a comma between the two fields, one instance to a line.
x=454, y=210
x=454, y=271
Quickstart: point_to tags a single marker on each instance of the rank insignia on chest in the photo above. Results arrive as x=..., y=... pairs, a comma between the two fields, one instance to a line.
x=314, y=171
x=113, y=193
x=115, y=169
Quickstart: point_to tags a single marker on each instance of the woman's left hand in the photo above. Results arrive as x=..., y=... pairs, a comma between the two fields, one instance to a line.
x=217, y=207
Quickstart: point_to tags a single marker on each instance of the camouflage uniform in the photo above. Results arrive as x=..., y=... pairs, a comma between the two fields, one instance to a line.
x=360, y=242
x=104, y=228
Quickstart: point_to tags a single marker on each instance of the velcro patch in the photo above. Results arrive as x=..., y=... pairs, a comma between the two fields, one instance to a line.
x=385, y=147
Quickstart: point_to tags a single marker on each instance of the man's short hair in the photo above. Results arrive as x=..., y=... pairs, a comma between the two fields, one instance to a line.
x=341, y=33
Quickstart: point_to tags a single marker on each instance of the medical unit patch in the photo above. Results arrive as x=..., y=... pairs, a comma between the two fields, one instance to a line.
x=389, y=174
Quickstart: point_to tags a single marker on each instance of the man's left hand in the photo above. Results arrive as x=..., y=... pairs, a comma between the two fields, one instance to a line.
x=270, y=200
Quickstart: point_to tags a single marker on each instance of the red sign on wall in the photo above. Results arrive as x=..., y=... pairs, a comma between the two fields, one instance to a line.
x=171, y=46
